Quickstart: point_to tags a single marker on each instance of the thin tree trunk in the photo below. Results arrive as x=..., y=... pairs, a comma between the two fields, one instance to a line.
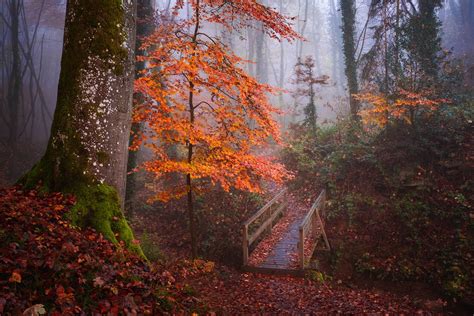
x=385, y=47
x=397, y=44
x=281, y=77
x=251, y=51
x=262, y=71
x=335, y=44
x=302, y=31
x=189, y=184
x=312, y=103
x=14, y=85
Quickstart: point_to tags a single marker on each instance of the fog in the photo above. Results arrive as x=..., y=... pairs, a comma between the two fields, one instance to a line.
x=31, y=43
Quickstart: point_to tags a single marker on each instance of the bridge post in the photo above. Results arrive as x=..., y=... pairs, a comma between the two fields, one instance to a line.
x=268, y=215
x=245, y=245
x=301, y=248
x=323, y=231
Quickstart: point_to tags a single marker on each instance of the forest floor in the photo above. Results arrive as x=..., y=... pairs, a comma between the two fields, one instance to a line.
x=227, y=290
x=230, y=292
x=48, y=265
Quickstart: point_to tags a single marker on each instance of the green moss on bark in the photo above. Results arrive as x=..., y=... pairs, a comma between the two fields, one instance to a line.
x=97, y=29
x=98, y=206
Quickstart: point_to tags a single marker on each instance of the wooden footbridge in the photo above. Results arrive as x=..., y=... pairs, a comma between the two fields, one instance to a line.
x=290, y=254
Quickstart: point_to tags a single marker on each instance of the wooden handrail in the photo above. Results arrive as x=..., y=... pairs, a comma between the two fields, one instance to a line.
x=316, y=204
x=265, y=207
x=248, y=240
x=267, y=223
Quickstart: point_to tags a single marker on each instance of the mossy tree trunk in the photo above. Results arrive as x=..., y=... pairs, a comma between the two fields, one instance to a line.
x=348, y=13
x=88, y=148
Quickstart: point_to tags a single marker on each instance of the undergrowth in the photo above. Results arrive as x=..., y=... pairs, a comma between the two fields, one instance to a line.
x=400, y=198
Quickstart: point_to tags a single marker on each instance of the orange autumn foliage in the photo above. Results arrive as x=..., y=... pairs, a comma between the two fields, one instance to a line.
x=197, y=97
x=241, y=13
x=382, y=109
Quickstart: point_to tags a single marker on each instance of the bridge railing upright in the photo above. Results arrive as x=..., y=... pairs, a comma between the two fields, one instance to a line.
x=310, y=229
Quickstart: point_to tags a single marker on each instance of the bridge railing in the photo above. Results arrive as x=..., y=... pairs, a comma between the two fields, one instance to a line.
x=262, y=221
x=311, y=228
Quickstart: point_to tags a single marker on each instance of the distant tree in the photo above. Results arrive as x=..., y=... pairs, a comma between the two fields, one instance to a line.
x=302, y=23
x=88, y=148
x=405, y=72
x=337, y=74
x=458, y=26
x=406, y=52
x=348, y=35
x=261, y=58
x=15, y=80
x=21, y=74
x=421, y=39
x=203, y=101
x=306, y=80
x=24, y=114
x=145, y=26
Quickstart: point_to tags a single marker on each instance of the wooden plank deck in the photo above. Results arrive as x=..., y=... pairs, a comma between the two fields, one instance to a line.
x=285, y=252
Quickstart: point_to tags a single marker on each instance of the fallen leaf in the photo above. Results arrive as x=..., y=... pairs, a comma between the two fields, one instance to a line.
x=15, y=277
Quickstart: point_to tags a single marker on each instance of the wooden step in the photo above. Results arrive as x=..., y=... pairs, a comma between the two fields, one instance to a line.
x=274, y=271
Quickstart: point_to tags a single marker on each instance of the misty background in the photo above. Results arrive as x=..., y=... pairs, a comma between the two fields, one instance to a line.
x=31, y=46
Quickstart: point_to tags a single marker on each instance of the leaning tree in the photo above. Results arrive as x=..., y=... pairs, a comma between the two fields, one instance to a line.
x=88, y=147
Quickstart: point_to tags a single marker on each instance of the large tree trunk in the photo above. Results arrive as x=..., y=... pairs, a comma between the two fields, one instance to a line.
x=88, y=148
x=348, y=30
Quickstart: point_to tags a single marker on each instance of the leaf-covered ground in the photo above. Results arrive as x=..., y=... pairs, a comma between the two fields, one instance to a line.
x=47, y=266
x=231, y=293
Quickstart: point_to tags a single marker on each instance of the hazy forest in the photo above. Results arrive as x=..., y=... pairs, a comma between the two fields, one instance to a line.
x=236, y=157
